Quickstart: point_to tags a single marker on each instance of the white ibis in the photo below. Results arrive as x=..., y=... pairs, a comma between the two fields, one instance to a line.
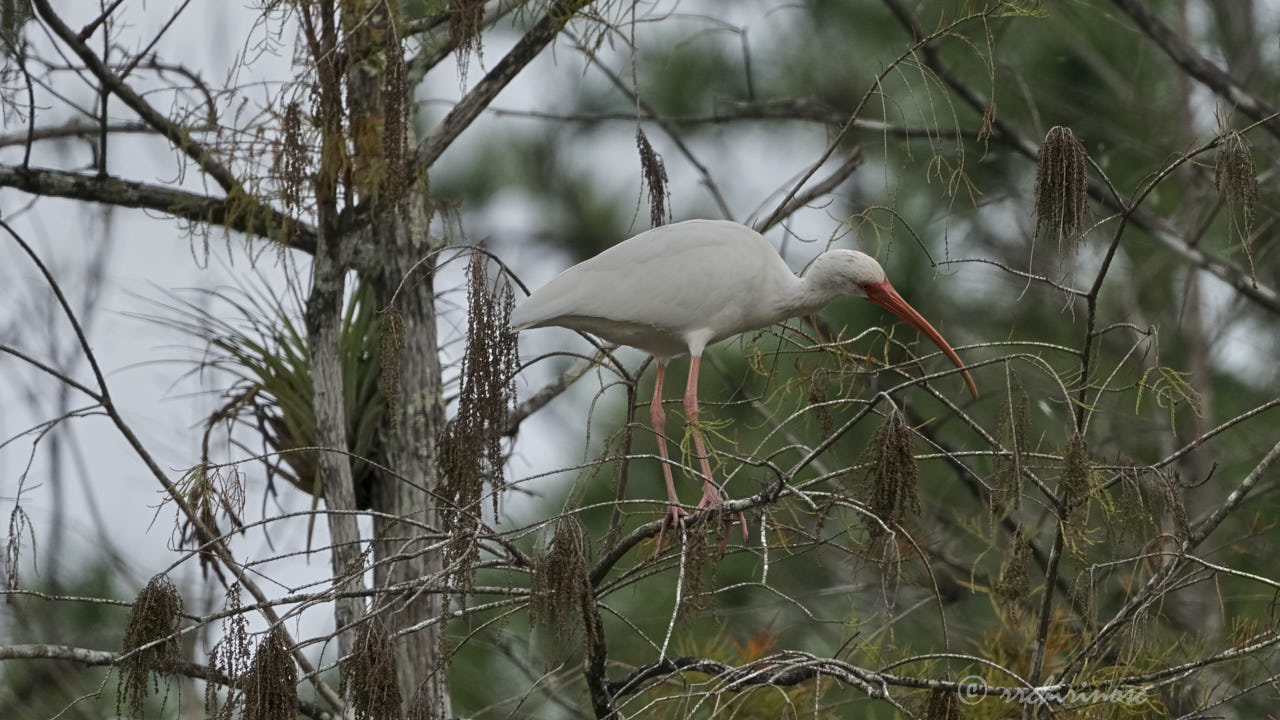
x=678, y=288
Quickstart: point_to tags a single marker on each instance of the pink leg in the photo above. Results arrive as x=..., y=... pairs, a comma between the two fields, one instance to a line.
x=711, y=495
x=659, y=419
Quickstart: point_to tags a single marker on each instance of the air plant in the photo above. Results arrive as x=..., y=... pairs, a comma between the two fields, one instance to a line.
x=263, y=352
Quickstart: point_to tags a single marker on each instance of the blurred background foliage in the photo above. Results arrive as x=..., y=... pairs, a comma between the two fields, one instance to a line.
x=1193, y=354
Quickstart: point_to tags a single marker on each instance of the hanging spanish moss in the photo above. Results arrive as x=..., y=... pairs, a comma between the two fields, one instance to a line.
x=1014, y=585
x=1011, y=432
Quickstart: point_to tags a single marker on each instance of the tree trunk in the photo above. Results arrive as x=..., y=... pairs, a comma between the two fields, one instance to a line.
x=324, y=330
x=410, y=447
x=396, y=239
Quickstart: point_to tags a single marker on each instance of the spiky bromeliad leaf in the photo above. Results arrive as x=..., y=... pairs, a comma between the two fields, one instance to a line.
x=265, y=350
x=151, y=647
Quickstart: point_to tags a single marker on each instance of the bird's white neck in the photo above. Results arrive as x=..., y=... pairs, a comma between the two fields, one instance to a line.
x=821, y=284
x=805, y=297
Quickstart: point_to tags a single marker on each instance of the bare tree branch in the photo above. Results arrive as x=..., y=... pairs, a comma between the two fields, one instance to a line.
x=470, y=107
x=177, y=134
x=1197, y=66
x=1238, y=279
x=253, y=219
x=99, y=658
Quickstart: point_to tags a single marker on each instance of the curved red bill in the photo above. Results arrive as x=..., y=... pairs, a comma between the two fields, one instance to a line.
x=883, y=294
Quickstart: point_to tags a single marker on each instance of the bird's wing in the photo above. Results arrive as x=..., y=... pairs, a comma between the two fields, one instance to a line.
x=679, y=278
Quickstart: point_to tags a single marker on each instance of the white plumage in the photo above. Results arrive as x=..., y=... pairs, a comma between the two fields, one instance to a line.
x=680, y=287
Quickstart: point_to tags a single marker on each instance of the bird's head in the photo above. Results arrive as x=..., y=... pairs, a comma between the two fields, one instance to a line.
x=845, y=272
x=849, y=272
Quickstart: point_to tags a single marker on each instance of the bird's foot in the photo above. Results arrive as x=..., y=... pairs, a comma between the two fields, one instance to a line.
x=672, y=518
x=712, y=497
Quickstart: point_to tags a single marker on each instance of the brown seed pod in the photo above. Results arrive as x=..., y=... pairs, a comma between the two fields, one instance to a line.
x=291, y=165
x=561, y=587
x=1014, y=585
x=271, y=685
x=471, y=446
x=1076, y=470
x=943, y=705
x=654, y=176
x=1237, y=183
x=151, y=645
x=466, y=20
x=369, y=675
x=1062, y=190
x=231, y=656
x=1011, y=432
x=893, y=475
